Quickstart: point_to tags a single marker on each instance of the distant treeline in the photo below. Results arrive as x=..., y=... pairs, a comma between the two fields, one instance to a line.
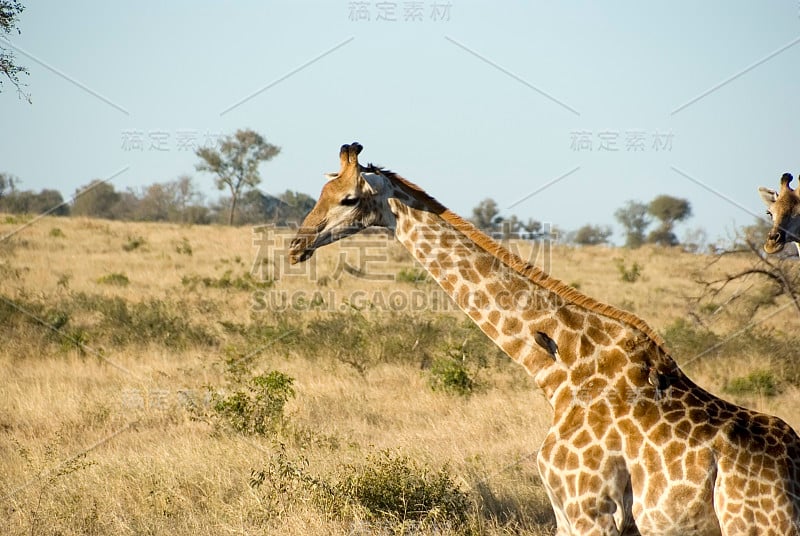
x=175, y=201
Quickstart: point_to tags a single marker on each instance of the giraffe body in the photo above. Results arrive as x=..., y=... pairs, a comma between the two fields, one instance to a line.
x=635, y=446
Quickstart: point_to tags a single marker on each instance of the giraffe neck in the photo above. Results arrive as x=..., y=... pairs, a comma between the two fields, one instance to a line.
x=514, y=303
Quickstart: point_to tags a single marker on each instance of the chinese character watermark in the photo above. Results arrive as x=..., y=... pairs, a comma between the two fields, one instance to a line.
x=389, y=12
x=632, y=141
x=160, y=140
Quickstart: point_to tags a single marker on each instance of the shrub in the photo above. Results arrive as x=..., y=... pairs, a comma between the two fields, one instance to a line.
x=451, y=375
x=134, y=242
x=628, y=275
x=686, y=340
x=392, y=487
x=55, y=232
x=244, y=282
x=412, y=275
x=184, y=247
x=760, y=382
x=115, y=279
x=257, y=406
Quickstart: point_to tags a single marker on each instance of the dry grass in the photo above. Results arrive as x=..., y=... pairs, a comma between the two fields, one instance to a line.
x=117, y=434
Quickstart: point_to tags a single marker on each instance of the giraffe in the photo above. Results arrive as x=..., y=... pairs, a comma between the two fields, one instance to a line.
x=635, y=447
x=783, y=207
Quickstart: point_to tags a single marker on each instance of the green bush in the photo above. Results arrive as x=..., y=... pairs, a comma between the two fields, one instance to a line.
x=134, y=242
x=628, y=275
x=451, y=375
x=115, y=279
x=412, y=275
x=687, y=340
x=55, y=232
x=759, y=382
x=257, y=406
x=394, y=488
x=245, y=282
x=184, y=248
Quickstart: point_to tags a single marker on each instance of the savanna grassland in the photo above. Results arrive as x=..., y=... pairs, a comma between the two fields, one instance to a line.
x=158, y=379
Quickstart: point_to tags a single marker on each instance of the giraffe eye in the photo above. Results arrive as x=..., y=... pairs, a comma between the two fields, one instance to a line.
x=769, y=213
x=349, y=201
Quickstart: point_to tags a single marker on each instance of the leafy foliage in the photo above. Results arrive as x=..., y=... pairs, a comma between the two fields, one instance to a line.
x=236, y=162
x=633, y=216
x=10, y=11
x=628, y=275
x=759, y=382
x=451, y=375
x=257, y=406
x=393, y=487
x=591, y=235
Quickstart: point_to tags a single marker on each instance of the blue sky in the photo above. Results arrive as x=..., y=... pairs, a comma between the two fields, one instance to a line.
x=470, y=101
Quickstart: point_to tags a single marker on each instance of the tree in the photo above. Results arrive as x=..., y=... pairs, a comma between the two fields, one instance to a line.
x=97, y=199
x=668, y=210
x=532, y=227
x=592, y=235
x=9, y=13
x=486, y=216
x=8, y=183
x=30, y=202
x=633, y=216
x=236, y=163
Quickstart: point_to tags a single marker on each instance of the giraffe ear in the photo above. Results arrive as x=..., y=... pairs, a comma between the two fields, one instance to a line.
x=768, y=196
x=363, y=186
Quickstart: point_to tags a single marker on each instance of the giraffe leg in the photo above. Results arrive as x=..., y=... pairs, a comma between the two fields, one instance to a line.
x=585, y=501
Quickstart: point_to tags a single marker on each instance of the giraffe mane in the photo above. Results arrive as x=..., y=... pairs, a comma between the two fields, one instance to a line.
x=533, y=273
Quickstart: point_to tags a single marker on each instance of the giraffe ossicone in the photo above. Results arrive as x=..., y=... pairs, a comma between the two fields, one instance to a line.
x=635, y=446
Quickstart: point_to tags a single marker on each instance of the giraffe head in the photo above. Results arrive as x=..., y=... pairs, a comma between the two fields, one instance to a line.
x=783, y=207
x=350, y=201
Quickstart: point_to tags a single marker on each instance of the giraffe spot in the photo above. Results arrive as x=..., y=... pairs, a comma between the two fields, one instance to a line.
x=683, y=494
x=571, y=482
x=586, y=346
x=582, y=439
x=425, y=248
x=480, y=300
x=494, y=317
x=485, y=265
x=589, y=483
x=761, y=519
x=443, y=259
x=597, y=335
x=637, y=474
x=570, y=318
x=675, y=469
x=646, y=413
x=660, y=434
x=513, y=347
x=581, y=372
x=511, y=325
x=612, y=329
x=489, y=330
x=468, y=274
x=656, y=484
x=494, y=288
x=613, y=441
x=675, y=451
x=572, y=461
x=593, y=457
x=462, y=296
x=599, y=419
